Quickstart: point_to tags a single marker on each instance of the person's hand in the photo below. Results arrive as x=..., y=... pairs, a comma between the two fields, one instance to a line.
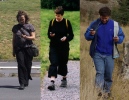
x=116, y=39
x=24, y=36
x=63, y=39
x=92, y=32
x=52, y=34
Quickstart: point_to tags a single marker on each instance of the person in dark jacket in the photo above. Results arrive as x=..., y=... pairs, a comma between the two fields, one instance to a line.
x=60, y=34
x=23, y=34
x=104, y=33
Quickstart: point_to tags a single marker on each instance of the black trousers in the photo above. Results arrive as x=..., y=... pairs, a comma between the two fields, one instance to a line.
x=58, y=58
x=24, y=62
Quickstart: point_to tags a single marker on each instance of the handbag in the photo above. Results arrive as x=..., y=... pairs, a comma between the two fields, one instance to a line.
x=35, y=50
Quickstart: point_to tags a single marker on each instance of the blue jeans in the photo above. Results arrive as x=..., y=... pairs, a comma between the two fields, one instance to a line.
x=104, y=66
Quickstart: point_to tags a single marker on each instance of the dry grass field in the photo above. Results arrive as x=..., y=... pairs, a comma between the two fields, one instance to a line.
x=120, y=87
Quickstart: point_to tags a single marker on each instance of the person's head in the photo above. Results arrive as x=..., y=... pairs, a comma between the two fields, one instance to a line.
x=22, y=17
x=59, y=12
x=105, y=14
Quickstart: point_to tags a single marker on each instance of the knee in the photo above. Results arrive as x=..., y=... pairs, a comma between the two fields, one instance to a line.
x=99, y=73
x=54, y=64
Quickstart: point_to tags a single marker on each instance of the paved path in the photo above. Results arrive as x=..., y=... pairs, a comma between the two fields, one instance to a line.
x=13, y=64
x=9, y=83
x=9, y=69
x=72, y=92
x=9, y=89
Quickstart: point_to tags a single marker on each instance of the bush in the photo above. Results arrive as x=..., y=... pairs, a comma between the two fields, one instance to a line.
x=69, y=5
x=121, y=14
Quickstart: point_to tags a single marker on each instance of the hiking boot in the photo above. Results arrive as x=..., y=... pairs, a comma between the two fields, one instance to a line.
x=100, y=94
x=51, y=86
x=63, y=83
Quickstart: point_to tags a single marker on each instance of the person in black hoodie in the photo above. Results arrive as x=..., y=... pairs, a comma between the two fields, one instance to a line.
x=60, y=34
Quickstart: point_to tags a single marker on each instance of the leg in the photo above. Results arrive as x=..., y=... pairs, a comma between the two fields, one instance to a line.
x=28, y=64
x=62, y=70
x=109, y=66
x=53, y=57
x=100, y=67
x=52, y=72
x=63, y=60
x=22, y=71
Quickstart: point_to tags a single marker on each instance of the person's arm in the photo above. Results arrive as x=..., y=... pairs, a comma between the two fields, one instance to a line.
x=119, y=39
x=13, y=41
x=70, y=35
x=89, y=34
x=50, y=34
x=32, y=33
x=31, y=37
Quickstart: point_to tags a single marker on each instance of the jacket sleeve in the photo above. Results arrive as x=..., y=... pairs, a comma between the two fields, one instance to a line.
x=49, y=30
x=120, y=35
x=70, y=32
x=87, y=34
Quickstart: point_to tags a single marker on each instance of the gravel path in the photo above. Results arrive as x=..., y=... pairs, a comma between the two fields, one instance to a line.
x=72, y=92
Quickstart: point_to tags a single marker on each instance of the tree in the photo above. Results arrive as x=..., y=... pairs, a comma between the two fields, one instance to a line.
x=121, y=14
x=69, y=5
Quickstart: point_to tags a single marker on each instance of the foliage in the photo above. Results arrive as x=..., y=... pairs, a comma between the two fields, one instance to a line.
x=121, y=14
x=68, y=5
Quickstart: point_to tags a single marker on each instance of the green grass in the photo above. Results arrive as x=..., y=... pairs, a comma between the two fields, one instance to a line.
x=46, y=16
x=8, y=12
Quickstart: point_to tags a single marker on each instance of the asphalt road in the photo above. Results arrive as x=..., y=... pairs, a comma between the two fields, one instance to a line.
x=9, y=89
x=9, y=85
x=14, y=64
x=9, y=69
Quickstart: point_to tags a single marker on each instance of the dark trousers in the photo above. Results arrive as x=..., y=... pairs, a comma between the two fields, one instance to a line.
x=24, y=66
x=58, y=58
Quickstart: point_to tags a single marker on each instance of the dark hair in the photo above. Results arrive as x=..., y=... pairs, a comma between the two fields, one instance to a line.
x=20, y=13
x=104, y=11
x=59, y=10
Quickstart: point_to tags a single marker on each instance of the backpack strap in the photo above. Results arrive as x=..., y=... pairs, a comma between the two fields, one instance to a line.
x=115, y=49
x=66, y=23
x=52, y=22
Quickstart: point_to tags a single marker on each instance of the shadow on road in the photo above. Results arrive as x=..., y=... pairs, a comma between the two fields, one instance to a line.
x=8, y=86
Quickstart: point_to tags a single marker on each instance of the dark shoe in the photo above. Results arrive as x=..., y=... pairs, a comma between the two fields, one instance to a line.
x=21, y=87
x=30, y=78
x=51, y=86
x=26, y=85
x=100, y=94
x=63, y=83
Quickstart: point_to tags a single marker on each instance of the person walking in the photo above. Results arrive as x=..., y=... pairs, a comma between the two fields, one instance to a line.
x=60, y=34
x=105, y=34
x=23, y=34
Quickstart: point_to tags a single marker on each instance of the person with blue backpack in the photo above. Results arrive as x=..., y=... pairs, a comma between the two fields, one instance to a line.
x=60, y=34
x=104, y=34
